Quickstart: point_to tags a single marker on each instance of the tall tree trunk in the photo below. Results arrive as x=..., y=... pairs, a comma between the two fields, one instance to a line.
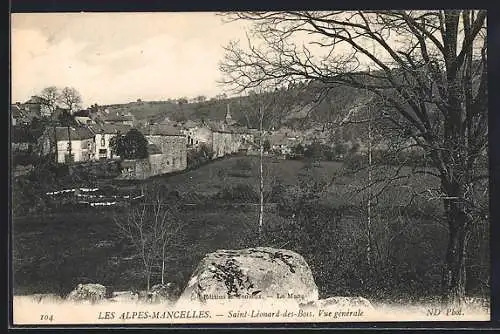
x=454, y=277
x=69, y=144
x=369, y=204
x=261, y=186
x=148, y=280
x=261, y=190
x=163, y=265
x=55, y=143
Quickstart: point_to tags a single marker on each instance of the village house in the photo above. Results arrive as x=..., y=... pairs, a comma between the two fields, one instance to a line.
x=172, y=144
x=20, y=115
x=103, y=134
x=167, y=153
x=229, y=139
x=24, y=139
x=196, y=134
x=74, y=144
x=83, y=117
x=15, y=115
x=37, y=105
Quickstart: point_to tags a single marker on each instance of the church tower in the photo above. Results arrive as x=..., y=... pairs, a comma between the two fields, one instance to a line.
x=229, y=118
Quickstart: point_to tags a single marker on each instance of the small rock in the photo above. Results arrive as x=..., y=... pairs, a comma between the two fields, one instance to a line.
x=124, y=297
x=88, y=292
x=168, y=292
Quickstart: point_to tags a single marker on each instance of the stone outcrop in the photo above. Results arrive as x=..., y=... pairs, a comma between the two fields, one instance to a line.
x=88, y=292
x=261, y=272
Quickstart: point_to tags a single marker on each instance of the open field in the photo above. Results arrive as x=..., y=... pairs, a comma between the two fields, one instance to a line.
x=55, y=252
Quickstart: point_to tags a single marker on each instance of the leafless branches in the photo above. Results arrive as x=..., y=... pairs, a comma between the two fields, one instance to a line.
x=70, y=98
x=151, y=228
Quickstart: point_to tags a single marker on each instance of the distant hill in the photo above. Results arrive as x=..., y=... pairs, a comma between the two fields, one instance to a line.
x=303, y=112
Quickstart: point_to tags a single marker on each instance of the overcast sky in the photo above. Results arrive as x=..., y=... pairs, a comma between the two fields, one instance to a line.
x=119, y=57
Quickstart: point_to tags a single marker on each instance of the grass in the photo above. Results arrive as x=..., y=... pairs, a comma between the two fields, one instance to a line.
x=53, y=253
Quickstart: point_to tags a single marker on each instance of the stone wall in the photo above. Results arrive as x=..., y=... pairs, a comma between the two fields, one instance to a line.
x=138, y=169
x=173, y=157
x=82, y=150
x=225, y=143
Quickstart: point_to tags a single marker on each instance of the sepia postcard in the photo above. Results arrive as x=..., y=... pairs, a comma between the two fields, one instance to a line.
x=249, y=167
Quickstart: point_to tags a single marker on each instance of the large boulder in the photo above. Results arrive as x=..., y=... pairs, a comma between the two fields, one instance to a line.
x=88, y=292
x=261, y=272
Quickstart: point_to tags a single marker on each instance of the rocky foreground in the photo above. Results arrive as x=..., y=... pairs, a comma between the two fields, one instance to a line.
x=260, y=284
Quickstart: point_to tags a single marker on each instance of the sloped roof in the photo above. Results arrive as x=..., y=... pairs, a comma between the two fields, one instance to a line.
x=82, y=113
x=160, y=130
x=76, y=133
x=240, y=129
x=36, y=100
x=218, y=127
x=26, y=115
x=15, y=111
x=109, y=128
x=23, y=134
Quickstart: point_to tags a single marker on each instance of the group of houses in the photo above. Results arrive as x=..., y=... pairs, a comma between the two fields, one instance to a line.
x=90, y=139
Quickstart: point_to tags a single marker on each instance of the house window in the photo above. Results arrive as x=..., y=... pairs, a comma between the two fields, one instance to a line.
x=103, y=141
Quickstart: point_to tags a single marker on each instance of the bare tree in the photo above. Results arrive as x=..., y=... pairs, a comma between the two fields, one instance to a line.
x=135, y=226
x=151, y=227
x=50, y=96
x=70, y=98
x=431, y=71
x=166, y=225
x=264, y=110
